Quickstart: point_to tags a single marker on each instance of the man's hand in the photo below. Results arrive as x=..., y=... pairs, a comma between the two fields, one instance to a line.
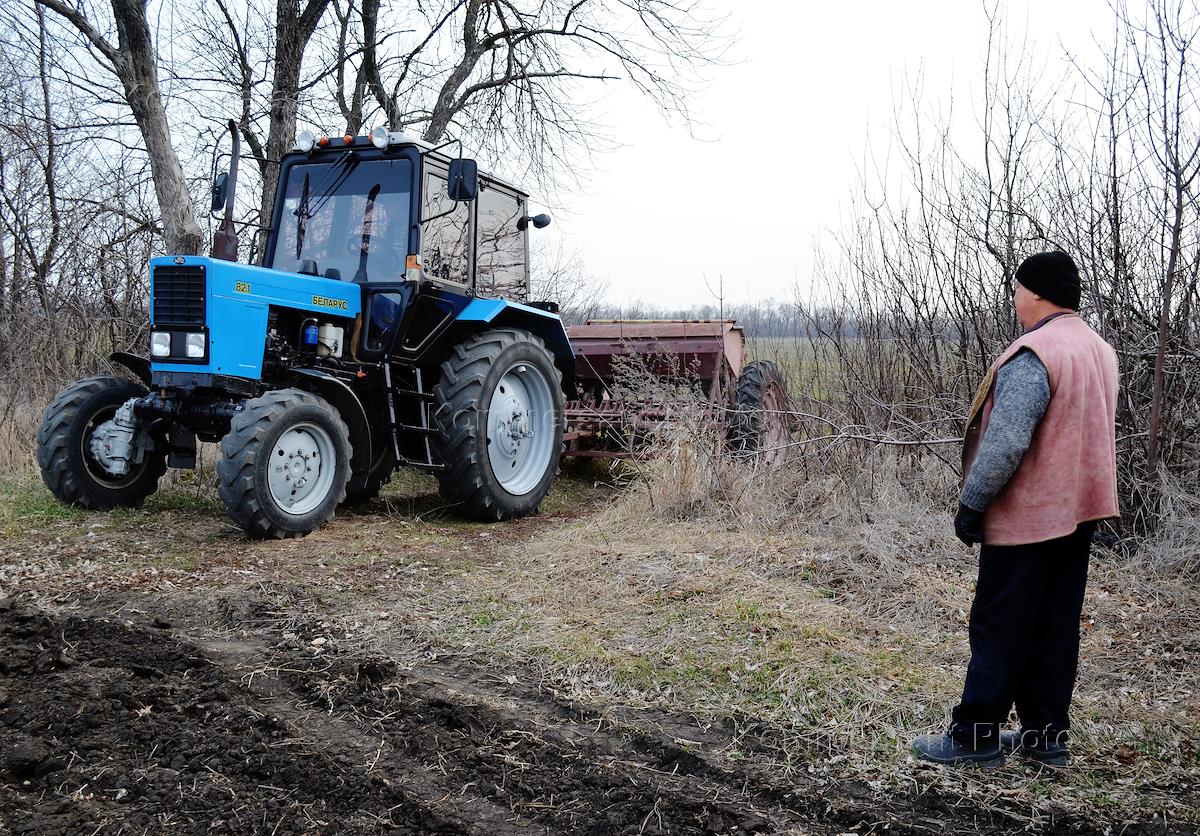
x=968, y=525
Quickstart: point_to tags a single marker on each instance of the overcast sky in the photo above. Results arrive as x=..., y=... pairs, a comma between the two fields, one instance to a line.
x=783, y=134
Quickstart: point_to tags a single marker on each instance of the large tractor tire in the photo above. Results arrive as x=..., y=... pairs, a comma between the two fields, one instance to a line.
x=499, y=422
x=64, y=449
x=761, y=427
x=284, y=464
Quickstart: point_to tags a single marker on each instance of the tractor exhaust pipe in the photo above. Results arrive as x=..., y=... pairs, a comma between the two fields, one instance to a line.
x=224, y=189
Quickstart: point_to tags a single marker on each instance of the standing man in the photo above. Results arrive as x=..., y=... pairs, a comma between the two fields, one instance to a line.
x=1039, y=470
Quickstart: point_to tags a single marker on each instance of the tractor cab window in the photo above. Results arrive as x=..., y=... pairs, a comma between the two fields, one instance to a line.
x=500, y=266
x=446, y=233
x=348, y=218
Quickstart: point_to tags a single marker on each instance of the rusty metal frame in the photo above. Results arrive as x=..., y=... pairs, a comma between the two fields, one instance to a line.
x=711, y=352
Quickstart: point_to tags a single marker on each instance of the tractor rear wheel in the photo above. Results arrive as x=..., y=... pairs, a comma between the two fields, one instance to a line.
x=284, y=464
x=69, y=466
x=760, y=425
x=499, y=423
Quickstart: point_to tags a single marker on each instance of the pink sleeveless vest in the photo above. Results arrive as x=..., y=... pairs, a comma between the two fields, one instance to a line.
x=1069, y=474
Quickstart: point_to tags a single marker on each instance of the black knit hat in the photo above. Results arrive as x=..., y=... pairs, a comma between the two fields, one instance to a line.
x=1052, y=276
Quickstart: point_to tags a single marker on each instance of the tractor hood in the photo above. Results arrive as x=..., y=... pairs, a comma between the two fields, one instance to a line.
x=228, y=303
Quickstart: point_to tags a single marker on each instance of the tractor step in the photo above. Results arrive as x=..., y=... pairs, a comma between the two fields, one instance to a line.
x=398, y=427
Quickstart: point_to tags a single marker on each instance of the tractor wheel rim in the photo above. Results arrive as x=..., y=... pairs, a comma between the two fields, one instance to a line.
x=301, y=468
x=520, y=433
x=776, y=437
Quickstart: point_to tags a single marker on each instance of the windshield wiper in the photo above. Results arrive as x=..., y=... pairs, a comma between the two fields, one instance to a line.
x=365, y=247
x=307, y=209
x=302, y=215
x=341, y=168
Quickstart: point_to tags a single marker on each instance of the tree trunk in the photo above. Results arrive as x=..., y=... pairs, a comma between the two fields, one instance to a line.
x=1164, y=324
x=292, y=34
x=138, y=71
x=4, y=318
x=448, y=104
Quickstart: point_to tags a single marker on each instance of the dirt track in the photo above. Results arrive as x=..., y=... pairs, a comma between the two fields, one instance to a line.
x=133, y=722
x=115, y=724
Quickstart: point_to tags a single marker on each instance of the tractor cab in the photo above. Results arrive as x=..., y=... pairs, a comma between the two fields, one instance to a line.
x=395, y=217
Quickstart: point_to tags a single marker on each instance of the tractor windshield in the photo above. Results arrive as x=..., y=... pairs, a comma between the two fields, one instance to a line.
x=350, y=216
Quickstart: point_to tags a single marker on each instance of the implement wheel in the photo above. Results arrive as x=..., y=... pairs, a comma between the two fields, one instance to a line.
x=499, y=424
x=69, y=466
x=760, y=425
x=284, y=464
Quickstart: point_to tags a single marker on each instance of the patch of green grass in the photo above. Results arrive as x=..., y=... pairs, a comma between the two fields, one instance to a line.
x=748, y=612
x=624, y=667
x=574, y=490
x=183, y=559
x=577, y=648
x=635, y=671
x=500, y=617
x=487, y=612
x=187, y=501
x=28, y=505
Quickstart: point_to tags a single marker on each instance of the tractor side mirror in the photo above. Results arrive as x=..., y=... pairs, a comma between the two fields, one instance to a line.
x=220, y=190
x=463, y=180
x=539, y=222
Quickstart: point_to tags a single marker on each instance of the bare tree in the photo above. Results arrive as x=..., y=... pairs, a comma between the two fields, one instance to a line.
x=559, y=276
x=508, y=75
x=294, y=27
x=1168, y=80
x=1102, y=163
x=133, y=61
x=254, y=55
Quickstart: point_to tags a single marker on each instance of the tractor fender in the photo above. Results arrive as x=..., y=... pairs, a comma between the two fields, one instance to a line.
x=482, y=313
x=137, y=364
x=343, y=399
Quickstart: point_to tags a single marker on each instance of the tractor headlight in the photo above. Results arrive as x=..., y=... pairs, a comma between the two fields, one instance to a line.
x=379, y=137
x=305, y=140
x=195, y=345
x=160, y=344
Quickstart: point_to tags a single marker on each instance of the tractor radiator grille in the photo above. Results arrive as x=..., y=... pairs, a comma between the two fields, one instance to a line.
x=178, y=295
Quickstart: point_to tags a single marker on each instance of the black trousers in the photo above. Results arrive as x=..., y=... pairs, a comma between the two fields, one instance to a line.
x=1024, y=640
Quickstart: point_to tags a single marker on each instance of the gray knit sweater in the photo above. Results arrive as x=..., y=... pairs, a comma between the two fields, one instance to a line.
x=1022, y=393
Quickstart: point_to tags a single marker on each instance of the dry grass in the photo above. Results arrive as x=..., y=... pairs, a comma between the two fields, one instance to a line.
x=828, y=616
x=19, y=420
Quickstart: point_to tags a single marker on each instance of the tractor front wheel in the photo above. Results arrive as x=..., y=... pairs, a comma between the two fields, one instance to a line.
x=499, y=424
x=69, y=464
x=284, y=464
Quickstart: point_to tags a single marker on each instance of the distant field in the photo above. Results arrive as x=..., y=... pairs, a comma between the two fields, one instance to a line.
x=800, y=361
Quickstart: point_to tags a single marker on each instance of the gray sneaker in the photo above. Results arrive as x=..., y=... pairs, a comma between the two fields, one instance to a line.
x=944, y=749
x=1044, y=753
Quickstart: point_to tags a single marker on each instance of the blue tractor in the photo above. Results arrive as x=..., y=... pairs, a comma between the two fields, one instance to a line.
x=381, y=330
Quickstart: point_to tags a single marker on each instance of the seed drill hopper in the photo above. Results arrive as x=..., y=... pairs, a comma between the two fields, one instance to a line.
x=634, y=376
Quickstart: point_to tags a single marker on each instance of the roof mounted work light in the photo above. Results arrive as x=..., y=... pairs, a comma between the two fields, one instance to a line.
x=305, y=140
x=379, y=137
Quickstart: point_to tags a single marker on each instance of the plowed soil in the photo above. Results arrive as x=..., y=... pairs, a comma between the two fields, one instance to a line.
x=137, y=723
x=114, y=725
